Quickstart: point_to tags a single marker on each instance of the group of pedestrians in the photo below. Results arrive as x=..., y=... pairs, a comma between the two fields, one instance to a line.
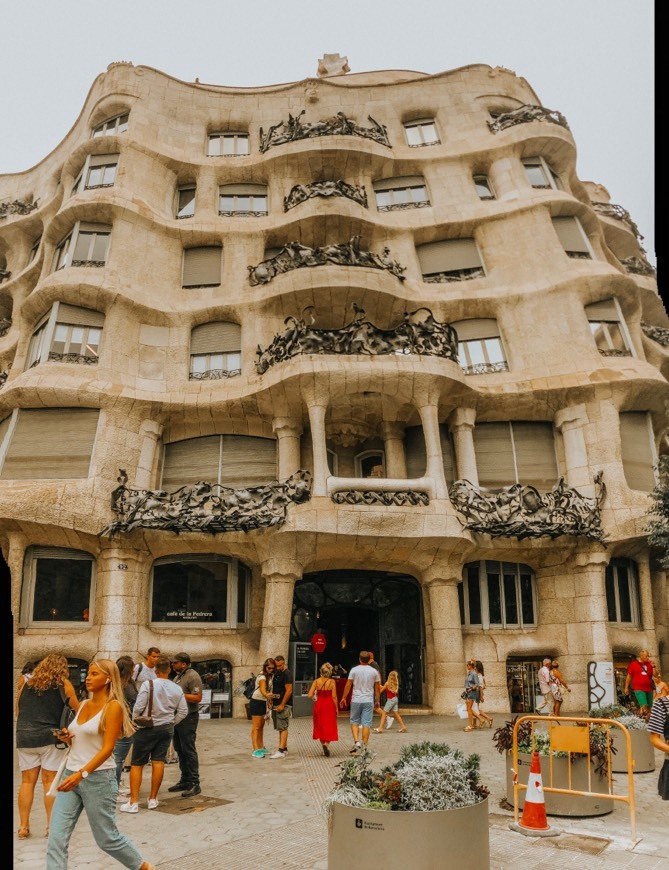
x=272, y=698
x=552, y=687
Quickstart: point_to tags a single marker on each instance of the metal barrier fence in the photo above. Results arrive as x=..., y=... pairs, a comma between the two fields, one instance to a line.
x=574, y=740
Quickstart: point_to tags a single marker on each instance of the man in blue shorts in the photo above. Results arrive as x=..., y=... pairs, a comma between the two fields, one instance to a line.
x=366, y=682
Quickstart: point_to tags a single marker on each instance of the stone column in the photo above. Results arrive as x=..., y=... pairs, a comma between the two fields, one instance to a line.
x=122, y=602
x=448, y=665
x=570, y=422
x=150, y=431
x=288, y=445
x=393, y=441
x=321, y=469
x=429, y=416
x=280, y=576
x=461, y=423
x=646, y=595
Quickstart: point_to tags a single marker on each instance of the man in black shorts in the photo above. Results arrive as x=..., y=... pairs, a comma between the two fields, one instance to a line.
x=283, y=704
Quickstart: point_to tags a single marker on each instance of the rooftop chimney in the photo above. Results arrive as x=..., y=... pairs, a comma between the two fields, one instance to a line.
x=333, y=65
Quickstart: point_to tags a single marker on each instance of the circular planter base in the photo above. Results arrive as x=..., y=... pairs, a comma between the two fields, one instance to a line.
x=561, y=804
x=642, y=751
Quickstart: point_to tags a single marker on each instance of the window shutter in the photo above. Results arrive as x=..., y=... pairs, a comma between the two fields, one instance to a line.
x=202, y=266
x=247, y=461
x=535, y=454
x=77, y=316
x=415, y=453
x=637, y=450
x=217, y=337
x=570, y=234
x=191, y=461
x=102, y=159
x=94, y=228
x=604, y=310
x=470, y=330
x=243, y=189
x=400, y=182
x=51, y=443
x=494, y=455
x=448, y=255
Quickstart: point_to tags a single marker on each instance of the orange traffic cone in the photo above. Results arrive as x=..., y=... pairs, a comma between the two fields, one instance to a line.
x=534, y=822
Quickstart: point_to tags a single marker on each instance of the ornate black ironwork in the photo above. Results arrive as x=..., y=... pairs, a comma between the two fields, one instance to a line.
x=486, y=368
x=338, y=125
x=455, y=275
x=578, y=255
x=403, y=206
x=614, y=351
x=609, y=209
x=523, y=115
x=5, y=326
x=521, y=511
x=425, y=336
x=638, y=266
x=214, y=374
x=243, y=213
x=206, y=507
x=16, y=207
x=402, y=497
x=96, y=263
x=3, y=378
x=297, y=256
x=302, y=192
x=660, y=334
x=80, y=358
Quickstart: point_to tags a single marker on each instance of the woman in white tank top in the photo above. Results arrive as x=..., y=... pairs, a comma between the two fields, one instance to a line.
x=90, y=774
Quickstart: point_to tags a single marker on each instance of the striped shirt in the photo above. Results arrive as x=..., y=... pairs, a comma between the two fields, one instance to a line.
x=658, y=716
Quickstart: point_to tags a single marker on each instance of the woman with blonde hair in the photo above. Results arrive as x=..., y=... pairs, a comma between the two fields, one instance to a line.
x=391, y=708
x=324, y=690
x=90, y=773
x=39, y=706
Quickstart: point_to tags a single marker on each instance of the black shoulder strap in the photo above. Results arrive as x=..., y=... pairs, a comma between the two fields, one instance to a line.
x=150, y=698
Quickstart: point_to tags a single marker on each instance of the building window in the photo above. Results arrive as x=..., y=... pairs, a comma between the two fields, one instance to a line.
x=450, y=260
x=67, y=334
x=112, y=126
x=498, y=595
x=572, y=237
x=202, y=266
x=622, y=591
x=401, y=193
x=480, y=348
x=228, y=145
x=515, y=452
x=58, y=587
x=370, y=463
x=200, y=588
x=99, y=171
x=422, y=132
x=34, y=248
x=638, y=450
x=86, y=245
x=484, y=187
x=242, y=200
x=236, y=461
x=215, y=351
x=540, y=174
x=608, y=328
x=185, y=204
x=48, y=443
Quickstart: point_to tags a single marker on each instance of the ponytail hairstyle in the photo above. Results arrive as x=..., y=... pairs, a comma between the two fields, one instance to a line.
x=114, y=693
x=326, y=670
x=393, y=681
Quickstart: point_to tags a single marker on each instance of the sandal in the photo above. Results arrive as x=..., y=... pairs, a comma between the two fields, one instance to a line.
x=24, y=833
x=403, y=731
x=470, y=728
x=378, y=731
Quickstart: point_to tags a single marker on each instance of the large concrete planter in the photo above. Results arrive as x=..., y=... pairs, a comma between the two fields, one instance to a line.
x=425, y=840
x=642, y=751
x=561, y=804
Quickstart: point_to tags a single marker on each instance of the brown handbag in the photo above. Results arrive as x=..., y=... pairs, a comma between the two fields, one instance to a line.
x=146, y=721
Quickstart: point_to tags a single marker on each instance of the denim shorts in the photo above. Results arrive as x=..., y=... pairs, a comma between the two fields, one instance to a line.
x=361, y=713
x=391, y=704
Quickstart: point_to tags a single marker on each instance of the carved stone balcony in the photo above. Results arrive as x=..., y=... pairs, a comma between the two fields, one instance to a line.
x=214, y=374
x=660, y=334
x=521, y=511
x=380, y=491
x=418, y=333
x=524, y=115
x=326, y=189
x=206, y=507
x=338, y=125
x=609, y=209
x=16, y=207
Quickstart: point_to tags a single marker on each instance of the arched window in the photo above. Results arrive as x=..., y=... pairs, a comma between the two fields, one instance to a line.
x=370, y=463
x=498, y=595
x=58, y=587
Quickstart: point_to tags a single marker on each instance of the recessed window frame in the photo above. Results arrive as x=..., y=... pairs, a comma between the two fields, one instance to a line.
x=33, y=554
x=547, y=178
x=59, y=325
x=111, y=126
x=34, y=248
x=482, y=573
x=618, y=597
x=485, y=353
x=185, y=201
x=363, y=457
x=228, y=144
x=632, y=446
x=186, y=267
x=421, y=134
x=243, y=200
x=483, y=186
x=392, y=194
x=608, y=326
x=466, y=273
x=222, y=461
x=94, y=164
x=64, y=253
x=513, y=454
x=213, y=363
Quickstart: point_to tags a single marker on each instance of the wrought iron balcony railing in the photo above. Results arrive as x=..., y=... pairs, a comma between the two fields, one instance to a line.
x=524, y=115
x=338, y=125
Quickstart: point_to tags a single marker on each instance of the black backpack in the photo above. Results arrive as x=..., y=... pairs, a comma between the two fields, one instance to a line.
x=249, y=687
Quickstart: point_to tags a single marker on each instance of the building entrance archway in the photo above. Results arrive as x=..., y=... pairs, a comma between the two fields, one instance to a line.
x=373, y=610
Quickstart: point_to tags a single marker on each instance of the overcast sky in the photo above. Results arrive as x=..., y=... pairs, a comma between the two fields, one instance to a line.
x=590, y=59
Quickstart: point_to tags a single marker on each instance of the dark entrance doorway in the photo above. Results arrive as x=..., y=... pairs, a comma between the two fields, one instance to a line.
x=372, y=610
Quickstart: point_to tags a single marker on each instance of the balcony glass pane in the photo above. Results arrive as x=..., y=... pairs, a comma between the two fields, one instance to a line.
x=494, y=599
x=510, y=600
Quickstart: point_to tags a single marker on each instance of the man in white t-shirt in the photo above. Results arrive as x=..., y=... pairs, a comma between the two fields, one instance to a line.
x=146, y=670
x=545, y=708
x=365, y=682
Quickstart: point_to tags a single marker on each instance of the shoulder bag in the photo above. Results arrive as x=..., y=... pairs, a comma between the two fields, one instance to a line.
x=147, y=720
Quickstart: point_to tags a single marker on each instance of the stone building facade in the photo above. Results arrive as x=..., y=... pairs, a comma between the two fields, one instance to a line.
x=359, y=353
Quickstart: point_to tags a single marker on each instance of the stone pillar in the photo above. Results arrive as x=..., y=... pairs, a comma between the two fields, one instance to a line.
x=646, y=595
x=461, y=423
x=448, y=665
x=429, y=416
x=393, y=440
x=288, y=446
x=122, y=602
x=321, y=469
x=150, y=431
x=280, y=576
x=570, y=422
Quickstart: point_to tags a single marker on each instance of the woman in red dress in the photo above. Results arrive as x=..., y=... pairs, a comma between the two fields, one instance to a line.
x=325, y=709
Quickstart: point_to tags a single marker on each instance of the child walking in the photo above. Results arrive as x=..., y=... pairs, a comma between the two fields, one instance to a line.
x=391, y=708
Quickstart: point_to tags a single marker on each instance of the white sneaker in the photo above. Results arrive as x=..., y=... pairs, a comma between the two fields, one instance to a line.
x=129, y=808
x=389, y=721
x=279, y=753
x=152, y=803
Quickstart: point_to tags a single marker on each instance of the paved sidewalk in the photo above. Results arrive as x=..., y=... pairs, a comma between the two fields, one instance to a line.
x=243, y=799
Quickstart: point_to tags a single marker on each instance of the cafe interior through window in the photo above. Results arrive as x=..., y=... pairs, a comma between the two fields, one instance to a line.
x=199, y=588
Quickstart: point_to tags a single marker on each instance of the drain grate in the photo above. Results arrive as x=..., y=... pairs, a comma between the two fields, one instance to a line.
x=197, y=804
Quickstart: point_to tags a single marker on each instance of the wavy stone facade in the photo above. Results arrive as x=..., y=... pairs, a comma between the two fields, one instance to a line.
x=315, y=490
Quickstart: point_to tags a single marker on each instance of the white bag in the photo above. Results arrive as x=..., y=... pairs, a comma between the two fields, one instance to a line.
x=462, y=711
x=53, y=790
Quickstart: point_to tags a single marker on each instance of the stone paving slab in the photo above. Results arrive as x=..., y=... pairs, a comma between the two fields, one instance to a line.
x=266, y=794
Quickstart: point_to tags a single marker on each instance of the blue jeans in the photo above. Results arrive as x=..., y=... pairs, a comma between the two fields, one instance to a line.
x=97, y=795
x=121, y=749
